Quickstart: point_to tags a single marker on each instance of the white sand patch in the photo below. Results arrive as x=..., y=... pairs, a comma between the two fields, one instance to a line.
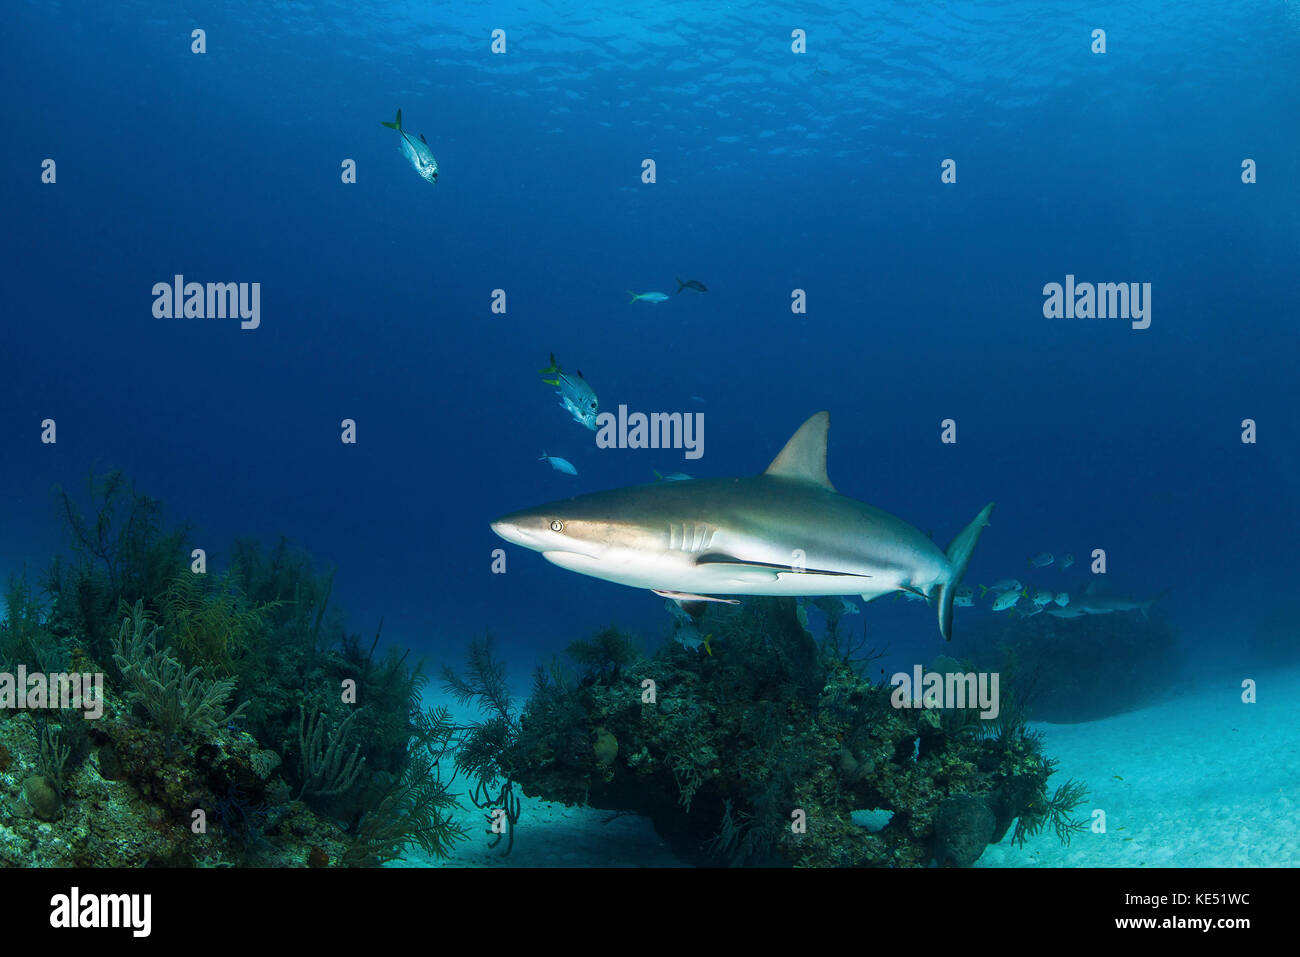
x=1207, y=781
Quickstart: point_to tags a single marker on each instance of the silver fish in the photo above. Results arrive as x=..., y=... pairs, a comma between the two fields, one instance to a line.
x=1005, y=600
x=416, y=151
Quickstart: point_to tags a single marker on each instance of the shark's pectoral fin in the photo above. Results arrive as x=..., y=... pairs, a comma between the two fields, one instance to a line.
x=762, y=571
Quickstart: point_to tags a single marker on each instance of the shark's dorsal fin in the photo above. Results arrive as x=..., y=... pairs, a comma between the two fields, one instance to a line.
x=804, y=456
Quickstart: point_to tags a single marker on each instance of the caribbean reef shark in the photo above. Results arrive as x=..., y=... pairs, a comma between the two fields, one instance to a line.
x=785, y=532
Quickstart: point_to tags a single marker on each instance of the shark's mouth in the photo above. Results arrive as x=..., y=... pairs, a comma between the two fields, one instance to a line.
x=575, y=561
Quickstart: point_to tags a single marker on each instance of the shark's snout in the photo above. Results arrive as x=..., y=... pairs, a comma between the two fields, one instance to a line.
x=511, y=532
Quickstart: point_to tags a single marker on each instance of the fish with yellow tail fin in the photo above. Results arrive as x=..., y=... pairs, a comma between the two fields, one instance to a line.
x=685, y=632
x=577, y=397
x=688, y=636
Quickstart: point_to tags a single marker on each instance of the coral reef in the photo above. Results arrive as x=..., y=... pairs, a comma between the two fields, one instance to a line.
x=766, y=752
x=763, y=746
x=176, y=699
x=206, y=736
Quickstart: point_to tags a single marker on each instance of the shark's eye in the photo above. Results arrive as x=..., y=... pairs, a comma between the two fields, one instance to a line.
x=557, y=526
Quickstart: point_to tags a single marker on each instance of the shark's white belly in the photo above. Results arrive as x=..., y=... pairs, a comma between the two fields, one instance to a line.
x=678, y=569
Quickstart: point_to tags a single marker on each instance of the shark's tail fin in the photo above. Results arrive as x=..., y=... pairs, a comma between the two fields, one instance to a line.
x=397, y=125
x=680, y=285
x=959, y=553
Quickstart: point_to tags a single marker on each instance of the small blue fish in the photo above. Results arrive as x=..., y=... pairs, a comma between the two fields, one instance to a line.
x=416, y=151
x=673, y=477
x=1067, y=561
x=647, y=296
x=559, y=464
x=577, y=397
x=1043, y=560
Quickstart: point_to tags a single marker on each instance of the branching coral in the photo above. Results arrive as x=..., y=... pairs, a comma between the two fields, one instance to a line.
x=484, y=746
x=417, y=808
x=176, y=699
x=210, y=626
x=484, y=681
x=609, y=649
x=53, y=759
x=121, y=553
x=326, y=767
x=1055, y=810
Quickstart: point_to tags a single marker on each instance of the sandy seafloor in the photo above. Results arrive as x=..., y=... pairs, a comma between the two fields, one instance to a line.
x=1199, y=779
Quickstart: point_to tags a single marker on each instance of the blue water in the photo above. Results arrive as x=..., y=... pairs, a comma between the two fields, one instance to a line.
x=775, y=171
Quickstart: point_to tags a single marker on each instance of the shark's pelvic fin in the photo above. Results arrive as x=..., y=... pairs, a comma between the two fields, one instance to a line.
x=804, y=456
x=959, y=553
x=682, y=597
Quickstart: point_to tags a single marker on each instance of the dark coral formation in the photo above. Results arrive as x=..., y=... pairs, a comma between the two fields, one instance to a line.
x=761, y=752
x=241, y=723
x=1077, y=669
